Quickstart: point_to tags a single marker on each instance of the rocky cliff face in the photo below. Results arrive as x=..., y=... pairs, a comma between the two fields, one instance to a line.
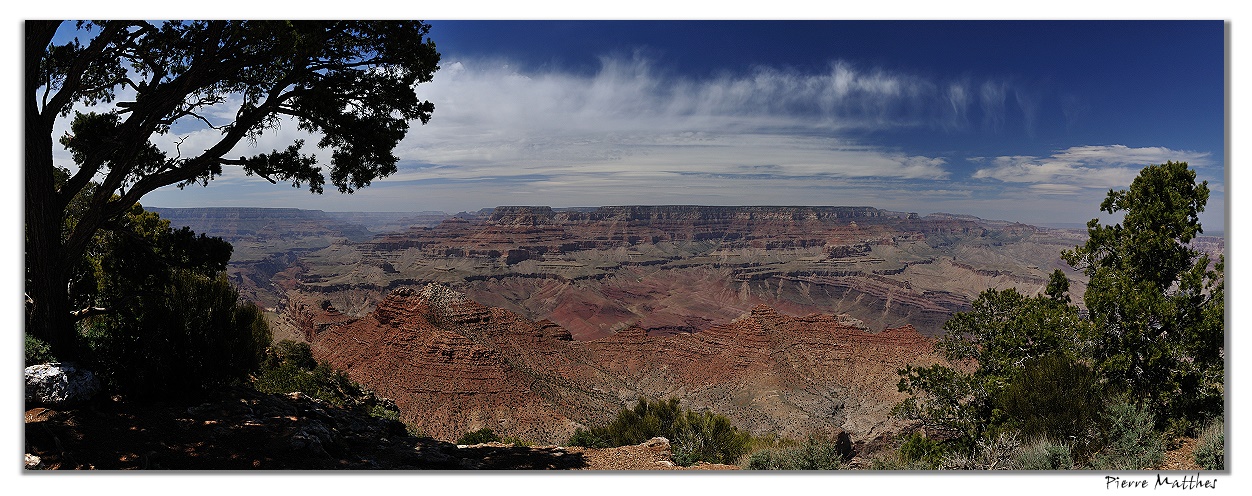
x=454, y=365
x=668, y=269
x=682, y=268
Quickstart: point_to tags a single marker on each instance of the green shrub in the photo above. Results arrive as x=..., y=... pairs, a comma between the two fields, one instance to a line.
x=515, y=441
x=290, y=367
x=384, y=412
x=1053, y=396
x=918, y=450
x=707, y=437
x=479, y=436
x=590, y=438
x=321, y=382
x=1211, y=451
x=37, y=351
x=693, y=436
x=192, y=335
x=290, y=352
x=1044, y=455
x=646, y=420
x=1130, y=442
x=816, y=453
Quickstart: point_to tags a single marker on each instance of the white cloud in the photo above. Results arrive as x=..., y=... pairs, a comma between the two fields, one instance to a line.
x=630, y=120
x=1122, y=155
x=993, y=94
x=959, y=98
x=1073, y=170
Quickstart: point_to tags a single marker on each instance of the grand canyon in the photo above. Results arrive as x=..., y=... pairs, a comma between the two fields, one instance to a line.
x=535, y=321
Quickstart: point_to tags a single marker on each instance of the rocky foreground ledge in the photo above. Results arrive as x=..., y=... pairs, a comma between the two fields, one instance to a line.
x=241, y=429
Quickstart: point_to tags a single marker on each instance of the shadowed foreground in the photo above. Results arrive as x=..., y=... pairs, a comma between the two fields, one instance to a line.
x=242, y=429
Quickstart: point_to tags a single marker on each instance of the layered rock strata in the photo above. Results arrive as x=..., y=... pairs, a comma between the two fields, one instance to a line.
x=453, y=365
x=681, y=268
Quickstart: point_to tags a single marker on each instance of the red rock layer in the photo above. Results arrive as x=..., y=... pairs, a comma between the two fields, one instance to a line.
x=453, y=365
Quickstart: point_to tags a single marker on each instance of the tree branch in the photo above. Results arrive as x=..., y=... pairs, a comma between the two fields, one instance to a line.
x=81, y=314
x=74, y=74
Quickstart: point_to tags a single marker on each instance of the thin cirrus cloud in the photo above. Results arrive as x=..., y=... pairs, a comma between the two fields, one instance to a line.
x=1078, y=169
x=492, y=120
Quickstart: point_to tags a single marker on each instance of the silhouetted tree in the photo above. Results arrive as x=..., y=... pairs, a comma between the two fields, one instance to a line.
x=352, y=83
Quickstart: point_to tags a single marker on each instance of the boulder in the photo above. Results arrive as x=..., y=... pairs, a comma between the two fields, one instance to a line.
x=60, y=384
x=656, y=442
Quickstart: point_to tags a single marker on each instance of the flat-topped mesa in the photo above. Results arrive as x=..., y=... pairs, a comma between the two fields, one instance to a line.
x=540, y=215
x=523, y=215
x=543, y=229
x=726, y=213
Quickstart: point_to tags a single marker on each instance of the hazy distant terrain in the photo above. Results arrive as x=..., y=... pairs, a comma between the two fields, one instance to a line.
x=668, y=269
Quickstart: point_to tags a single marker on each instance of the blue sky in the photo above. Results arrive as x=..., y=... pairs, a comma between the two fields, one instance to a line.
x=1030, y=121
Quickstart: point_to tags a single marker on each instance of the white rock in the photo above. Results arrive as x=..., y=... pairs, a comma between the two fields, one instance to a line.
x=656, y=442
x=60, y=384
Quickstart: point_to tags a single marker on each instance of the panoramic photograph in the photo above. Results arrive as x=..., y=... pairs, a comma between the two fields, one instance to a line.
x=631, y=246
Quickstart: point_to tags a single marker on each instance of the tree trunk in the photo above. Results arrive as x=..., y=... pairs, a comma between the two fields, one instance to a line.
x=46, y=269
x=48, y=318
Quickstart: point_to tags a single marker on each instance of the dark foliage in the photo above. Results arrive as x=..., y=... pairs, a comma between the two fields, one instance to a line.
x=158, y=317
x=189, y=335
x=36, y=351
x=590, y=438
x=986, y=347
x=479, y=436
x=292, y=353
x=290, y=367
x=1153, y=340
x=694, y=436
x=1057, y=397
